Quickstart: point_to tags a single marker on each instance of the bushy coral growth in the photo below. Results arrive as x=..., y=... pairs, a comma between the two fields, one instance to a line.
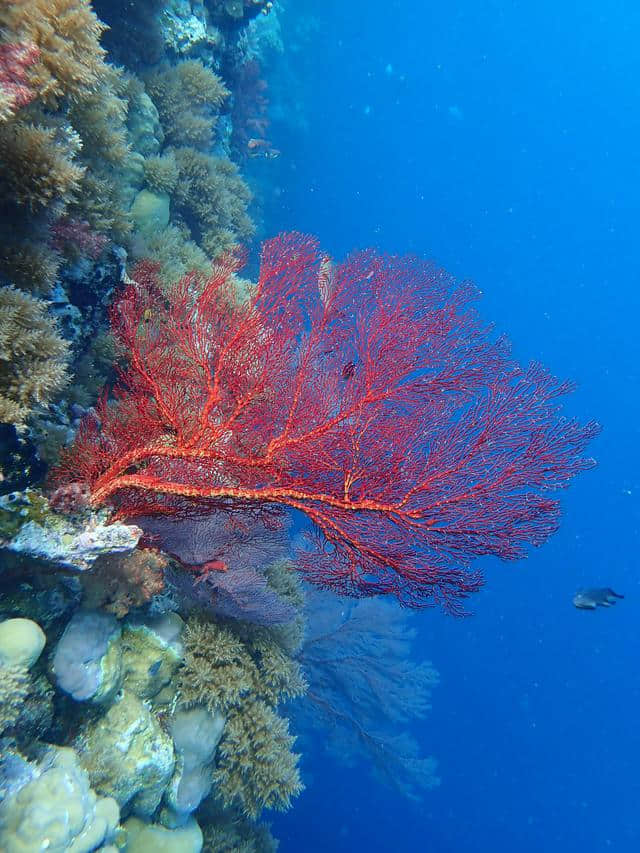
x=188, y=97
x=30, y=265
x=367, y=395
x=244, y=675
x=67, y=36
x=161, y=173
x=212, y=198
x=39, y=165
x=61, y=144
x=33, y=358
x=229, y=831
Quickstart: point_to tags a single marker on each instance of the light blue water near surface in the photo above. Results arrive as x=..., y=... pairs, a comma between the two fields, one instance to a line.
x=503, y=140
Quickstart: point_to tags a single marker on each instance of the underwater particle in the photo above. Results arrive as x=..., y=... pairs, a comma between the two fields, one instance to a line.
x=589, y=599
x=127, y=755
x=87, y=662
x=57, y=810
x=151, y=838
x=21, y=642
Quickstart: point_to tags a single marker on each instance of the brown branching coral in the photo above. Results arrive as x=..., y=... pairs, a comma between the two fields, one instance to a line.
x=212, y=198
x=256, y=767
x=161, y=173
x=67, y=36
x=188, y=97
x=176, y=254
x=231, y=832
x=119, y=582
x=30, y=265
x=38, y=165
x=33, y=358
x=100, y=119
x=244, y=678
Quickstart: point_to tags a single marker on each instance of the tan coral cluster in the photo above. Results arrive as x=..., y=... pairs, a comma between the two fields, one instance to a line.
x=188, y=97
x=211, y=193
x=33, y=357
x=208, y=197
x=244, y=678
x=67, y=34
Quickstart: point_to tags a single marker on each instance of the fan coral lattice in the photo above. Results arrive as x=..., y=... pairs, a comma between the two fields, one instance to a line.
x=368, y=395
x=366, y=690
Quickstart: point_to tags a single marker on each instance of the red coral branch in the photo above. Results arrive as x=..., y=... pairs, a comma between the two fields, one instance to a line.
x=368, y=395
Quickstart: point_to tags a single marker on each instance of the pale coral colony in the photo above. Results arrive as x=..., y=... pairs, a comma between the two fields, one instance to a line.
x=133, y=714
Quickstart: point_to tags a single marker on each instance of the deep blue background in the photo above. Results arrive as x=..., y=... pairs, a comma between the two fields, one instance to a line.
x=501, y=139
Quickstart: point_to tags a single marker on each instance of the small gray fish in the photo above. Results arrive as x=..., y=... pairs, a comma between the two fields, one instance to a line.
x=589, y=599
x=153, y=669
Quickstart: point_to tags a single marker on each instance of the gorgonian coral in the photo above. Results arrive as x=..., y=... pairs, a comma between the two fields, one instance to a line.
x=368, y=395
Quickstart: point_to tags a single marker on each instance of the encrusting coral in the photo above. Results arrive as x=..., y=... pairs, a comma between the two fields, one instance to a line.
x=33, y=357
x=244, y=678
x=120, y=582
x=14, y=688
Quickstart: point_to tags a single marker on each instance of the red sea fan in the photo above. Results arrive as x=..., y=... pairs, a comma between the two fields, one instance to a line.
x=366, y=394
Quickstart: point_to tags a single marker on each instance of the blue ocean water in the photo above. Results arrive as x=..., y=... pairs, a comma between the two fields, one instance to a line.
x=501, y=139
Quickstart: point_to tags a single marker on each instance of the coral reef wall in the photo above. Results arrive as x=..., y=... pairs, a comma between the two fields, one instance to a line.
x=106, y=158
x=131, y=712
x=149, y=672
